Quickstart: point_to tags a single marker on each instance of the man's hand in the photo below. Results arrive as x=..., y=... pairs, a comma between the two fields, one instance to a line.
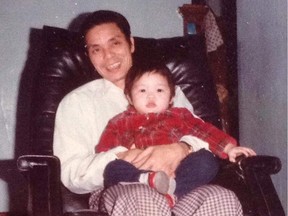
x=161, y=158
x=235, y=151
x=129, y=155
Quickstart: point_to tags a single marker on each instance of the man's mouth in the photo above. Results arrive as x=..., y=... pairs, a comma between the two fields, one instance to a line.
x=113, y=66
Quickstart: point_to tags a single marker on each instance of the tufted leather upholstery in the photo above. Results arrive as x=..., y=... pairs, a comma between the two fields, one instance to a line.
x=64, y=66
x=68, y=67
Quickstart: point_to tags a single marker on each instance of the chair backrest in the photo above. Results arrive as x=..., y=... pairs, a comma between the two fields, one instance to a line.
x=57, y=64
x=63, y=66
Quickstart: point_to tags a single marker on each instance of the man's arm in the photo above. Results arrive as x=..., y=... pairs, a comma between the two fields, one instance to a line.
x=75, y=135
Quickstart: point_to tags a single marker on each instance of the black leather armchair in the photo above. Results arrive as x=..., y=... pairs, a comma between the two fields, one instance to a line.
x=62, y=66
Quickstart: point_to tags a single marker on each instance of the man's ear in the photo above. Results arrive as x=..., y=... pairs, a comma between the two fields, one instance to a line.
x=132, y=44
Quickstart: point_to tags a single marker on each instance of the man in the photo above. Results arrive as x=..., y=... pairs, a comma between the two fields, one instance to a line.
x=83, y=114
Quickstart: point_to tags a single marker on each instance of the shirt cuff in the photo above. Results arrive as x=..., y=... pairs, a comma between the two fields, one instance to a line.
x=117, y=150
x=195, y=143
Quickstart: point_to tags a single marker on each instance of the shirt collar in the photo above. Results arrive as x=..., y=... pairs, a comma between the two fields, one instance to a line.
x=111, y=87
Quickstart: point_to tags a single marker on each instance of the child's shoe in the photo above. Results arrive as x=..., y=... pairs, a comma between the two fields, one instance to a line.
x=172, y=186
x=171, y=200
x=157, y=180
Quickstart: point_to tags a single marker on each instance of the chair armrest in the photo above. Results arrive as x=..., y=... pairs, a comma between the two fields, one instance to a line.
x=44, y=185
x=250, y=179
x=262, y=163
x=46, y=191
x=257, y=171
x=29, y=162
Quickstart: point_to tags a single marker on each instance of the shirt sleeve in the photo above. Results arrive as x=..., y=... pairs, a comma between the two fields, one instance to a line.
x=81, y=169
x=180, y=100
x=195, y=142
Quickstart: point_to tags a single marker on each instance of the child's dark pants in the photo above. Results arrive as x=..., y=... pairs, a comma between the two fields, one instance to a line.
x=196, y=169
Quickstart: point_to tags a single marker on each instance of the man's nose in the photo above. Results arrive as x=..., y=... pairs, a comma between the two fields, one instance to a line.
x=107, y=53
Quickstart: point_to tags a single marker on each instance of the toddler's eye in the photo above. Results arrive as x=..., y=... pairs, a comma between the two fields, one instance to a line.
x=160, y=90
x=142, y=90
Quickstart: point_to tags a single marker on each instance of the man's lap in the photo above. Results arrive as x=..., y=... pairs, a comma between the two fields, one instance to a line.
x=141, y=200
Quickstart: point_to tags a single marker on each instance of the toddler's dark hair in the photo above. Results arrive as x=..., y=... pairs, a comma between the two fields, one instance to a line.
x=140, y=68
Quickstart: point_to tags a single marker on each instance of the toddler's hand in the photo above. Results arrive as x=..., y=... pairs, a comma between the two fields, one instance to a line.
x=235, y=151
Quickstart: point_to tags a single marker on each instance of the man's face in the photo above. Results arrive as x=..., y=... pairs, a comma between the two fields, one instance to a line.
x=110, y=52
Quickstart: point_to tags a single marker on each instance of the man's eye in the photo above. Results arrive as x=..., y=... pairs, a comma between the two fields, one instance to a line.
x=116, y=43
x=95, y=50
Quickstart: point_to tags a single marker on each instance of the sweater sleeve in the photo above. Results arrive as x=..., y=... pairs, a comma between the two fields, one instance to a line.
x=180, y=100
x=110, y=137
x=216, y=138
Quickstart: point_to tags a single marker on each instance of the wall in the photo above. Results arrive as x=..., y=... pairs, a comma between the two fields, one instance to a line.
x=18, y=17
x=262, y=72
x=262, y=66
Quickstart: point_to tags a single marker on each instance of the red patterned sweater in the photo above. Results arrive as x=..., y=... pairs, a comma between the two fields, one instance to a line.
x=143, y=130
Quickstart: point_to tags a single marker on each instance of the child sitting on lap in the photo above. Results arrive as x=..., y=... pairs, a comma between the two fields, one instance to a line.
x=151, y=120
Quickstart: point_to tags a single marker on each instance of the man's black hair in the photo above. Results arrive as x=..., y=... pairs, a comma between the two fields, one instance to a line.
x=103, y=17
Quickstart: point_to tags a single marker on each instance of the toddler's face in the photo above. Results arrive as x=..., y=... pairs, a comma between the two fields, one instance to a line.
x=151, y=93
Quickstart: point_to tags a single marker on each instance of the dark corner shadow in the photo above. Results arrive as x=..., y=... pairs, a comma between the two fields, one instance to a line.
x=229, y=14
x=17, y=185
